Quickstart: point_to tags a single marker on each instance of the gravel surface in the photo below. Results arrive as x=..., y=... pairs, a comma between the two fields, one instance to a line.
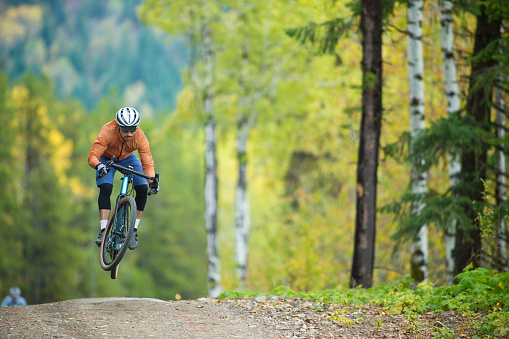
x=260, y=317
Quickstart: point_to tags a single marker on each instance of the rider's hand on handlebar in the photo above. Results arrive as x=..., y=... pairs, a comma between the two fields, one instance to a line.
x=153, y=188
x=102, y=170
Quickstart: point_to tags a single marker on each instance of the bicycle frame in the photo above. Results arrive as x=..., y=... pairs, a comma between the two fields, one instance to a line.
x=125, y=184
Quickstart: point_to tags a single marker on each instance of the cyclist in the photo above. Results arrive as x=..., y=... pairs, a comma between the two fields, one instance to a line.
x=120, y=138
x=15, y=298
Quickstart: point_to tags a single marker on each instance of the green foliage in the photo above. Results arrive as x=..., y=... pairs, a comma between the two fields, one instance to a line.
x=388, y=7
x=173, y=223
x=302, y=210
x=89, y=47
x=324, y=35
x=443, y=333
x=448, y=138
x=10, y=235
x=39, y=160
x=477, y=290
x=496, y=324
x=444, y=136
x=369, y=81
x=50, y=216
x=284, y=291
x=486, y=218
x=341, y=320
x=481, y=294
x=496, y=9
x=440, y=208
x=233, y=294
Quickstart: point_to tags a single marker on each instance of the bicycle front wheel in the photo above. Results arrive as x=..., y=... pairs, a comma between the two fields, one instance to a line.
x=118, y=233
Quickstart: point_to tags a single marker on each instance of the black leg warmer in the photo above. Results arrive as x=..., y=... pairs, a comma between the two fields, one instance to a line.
x=141, y=196
x=104, y=196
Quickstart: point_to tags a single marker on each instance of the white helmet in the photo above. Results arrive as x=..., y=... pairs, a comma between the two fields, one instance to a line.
x=128, y=118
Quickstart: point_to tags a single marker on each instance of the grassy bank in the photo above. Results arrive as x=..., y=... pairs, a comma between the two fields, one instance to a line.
x=481, y=294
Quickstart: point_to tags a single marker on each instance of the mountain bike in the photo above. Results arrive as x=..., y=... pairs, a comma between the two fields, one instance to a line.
x=119, y=231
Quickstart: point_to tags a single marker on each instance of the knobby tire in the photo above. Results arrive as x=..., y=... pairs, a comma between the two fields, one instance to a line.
x=118, y=234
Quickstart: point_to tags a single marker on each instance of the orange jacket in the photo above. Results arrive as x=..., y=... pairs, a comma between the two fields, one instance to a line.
x=109, y=143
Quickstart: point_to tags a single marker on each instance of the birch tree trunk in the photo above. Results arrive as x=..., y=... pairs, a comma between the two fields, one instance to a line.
x=245, y=123
x=195, y=18
x=242, y=208
x=501, y=255
x=453, y=107
x=419, y=248
x=211, y=181
x=253, y=86
x=367, y=162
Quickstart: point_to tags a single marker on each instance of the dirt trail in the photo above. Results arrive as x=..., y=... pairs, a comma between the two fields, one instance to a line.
x=261, y=317
x=127, y=317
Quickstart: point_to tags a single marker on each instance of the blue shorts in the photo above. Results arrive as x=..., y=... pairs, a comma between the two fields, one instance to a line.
x=131, y=160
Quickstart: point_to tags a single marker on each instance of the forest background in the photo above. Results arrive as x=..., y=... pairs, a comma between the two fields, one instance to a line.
x=68, y=66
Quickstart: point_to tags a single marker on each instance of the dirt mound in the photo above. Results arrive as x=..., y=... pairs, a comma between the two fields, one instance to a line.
x=261, y=317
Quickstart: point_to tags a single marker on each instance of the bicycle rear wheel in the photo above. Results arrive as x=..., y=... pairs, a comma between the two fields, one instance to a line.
x=118, y=233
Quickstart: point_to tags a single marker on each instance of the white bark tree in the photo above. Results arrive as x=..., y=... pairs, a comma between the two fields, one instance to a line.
x=211, y=181
x=453, y=107
x=419, y=249
x=195, y=18
x=501, y=182
x=200, y=39
x=246, y=120
x=258, y=74
x=501, y=254
x=245, y=123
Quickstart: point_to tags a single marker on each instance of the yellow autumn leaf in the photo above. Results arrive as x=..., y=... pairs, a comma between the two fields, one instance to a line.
x=19, y=95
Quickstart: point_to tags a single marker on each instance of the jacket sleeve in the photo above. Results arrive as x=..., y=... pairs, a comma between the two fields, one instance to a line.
x=99, y=145
x=146, y=157
x=7, y=301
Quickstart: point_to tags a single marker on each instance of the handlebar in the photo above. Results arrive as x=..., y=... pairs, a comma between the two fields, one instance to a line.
x=111, y=163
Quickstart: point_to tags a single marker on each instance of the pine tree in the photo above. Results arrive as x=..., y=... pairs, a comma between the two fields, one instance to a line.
x=474, y=162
